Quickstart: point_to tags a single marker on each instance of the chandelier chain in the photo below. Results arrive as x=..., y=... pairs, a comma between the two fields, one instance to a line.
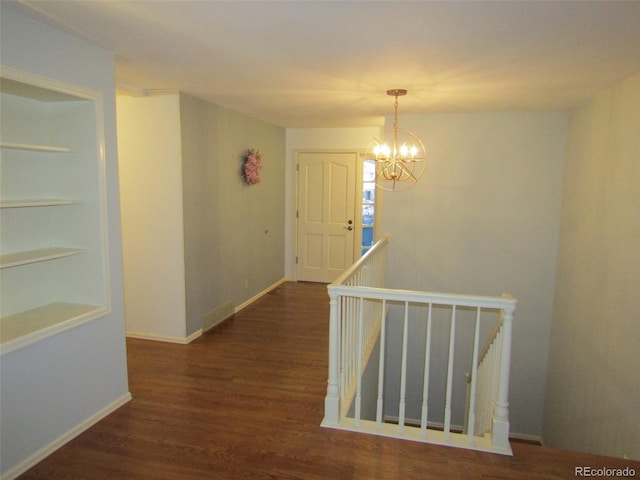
x=395, y=120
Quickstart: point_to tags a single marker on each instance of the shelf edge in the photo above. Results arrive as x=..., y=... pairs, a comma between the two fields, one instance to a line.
x=34, y=148
x=17, y=259
x=40, y=202
x=59, y=327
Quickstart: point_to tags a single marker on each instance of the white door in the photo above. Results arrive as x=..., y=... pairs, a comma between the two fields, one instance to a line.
x=326, y=214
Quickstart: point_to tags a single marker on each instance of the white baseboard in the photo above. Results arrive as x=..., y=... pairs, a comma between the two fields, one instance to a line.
x=225, y=315
x=63, y=439
x=165, y=338
x=525, y=437
x=216, y=316
x=257, y=296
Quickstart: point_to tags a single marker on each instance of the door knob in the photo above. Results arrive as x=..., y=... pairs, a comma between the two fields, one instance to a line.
x=348, y=228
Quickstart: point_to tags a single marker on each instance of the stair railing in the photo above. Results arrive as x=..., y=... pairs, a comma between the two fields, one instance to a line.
x=354, y=328
x=358, y=315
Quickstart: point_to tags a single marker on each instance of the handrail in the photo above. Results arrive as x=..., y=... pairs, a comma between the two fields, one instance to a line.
x=495, y=329
x=460, y=300
x=348, y=273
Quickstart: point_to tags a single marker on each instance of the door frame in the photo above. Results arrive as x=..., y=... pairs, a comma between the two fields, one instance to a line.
x=358, y=198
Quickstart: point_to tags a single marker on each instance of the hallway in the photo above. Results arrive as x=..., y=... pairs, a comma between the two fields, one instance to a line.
x=246, y=400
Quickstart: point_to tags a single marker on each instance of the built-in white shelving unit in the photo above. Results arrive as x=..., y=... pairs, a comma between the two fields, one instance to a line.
x=53, y=252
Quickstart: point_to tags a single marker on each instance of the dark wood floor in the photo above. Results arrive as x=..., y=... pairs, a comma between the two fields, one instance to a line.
x=245, y=401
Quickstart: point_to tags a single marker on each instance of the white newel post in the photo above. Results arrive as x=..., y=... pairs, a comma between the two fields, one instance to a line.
x=501, y=412
x=332, y=400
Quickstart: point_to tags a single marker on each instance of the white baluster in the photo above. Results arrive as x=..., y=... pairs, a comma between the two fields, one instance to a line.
x=383, y=336
x=447, y=404
x=359, y=363
x=332, y=400
x=425, y=385
x=474, y=373
x=403, y=369
x=344, y=359
x=501, y=412
x=354, y=337
x=484, y=381
x=351, y=344
x=489, y=384
x=495, y=375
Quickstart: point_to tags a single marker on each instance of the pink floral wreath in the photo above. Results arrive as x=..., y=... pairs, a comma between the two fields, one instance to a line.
x=252, y=166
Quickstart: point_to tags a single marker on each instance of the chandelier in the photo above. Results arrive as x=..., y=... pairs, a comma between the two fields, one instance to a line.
x=401, y=163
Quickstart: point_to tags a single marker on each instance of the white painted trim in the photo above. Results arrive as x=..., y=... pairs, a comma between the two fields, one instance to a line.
x=217, y=315
x=436, y=437
x=55, y=329
x=525, y=437
x=65, y=438
x=258, y=295
x=198, y=333
x=193, y=336
x=66, y=91
x=71, y=92
x=165, y=338
x=215, y=324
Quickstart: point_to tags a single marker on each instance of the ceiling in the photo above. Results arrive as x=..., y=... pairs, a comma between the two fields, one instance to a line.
x=329, y=63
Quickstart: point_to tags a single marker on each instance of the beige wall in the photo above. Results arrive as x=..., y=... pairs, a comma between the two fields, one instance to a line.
x=197, y=240
x=593, y=385
x=56, y=387
x=233, y=232
x=485, y=219
x=149, y=157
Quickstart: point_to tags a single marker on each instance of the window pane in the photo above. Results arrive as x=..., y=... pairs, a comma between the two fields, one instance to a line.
x=367, y=214
x=369, y=192
x=368, y=204
x=367, y=237
x=369, y=171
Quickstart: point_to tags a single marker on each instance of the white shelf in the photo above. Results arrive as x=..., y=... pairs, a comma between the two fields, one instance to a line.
x=27, y=327
x=50, y=138
x=34, y=256
x=34, y=92
x=34, y=148
x=40, y=202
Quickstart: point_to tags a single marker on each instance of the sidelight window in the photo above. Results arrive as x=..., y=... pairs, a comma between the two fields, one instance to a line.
x=368, y=205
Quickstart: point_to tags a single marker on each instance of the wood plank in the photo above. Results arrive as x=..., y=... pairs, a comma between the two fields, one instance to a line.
x=245, y=401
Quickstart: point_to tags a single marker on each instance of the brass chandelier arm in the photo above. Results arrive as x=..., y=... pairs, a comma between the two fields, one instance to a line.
x=403, y=175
